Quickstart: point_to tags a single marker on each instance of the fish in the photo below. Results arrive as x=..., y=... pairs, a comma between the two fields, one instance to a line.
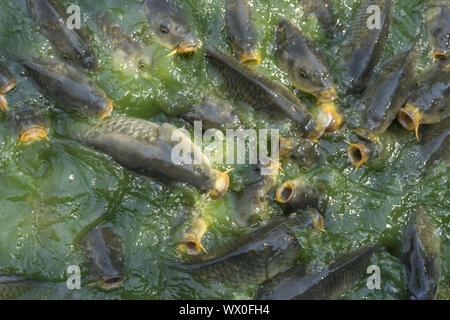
x=304, y=62
x=421, y=257
x=169, y=27
x=387, y=92
x=295, y=194
x=435, y=143
x=104, y=249
x=13, y=287
x=304, y=151
x=362, y=152
x=254, y=257
x=7, y=83
x=429, y=102
x=29, y=123
x=238, y=17
x=124, y=46
x=364, y=47
x=324, y=12
x=252, y=200
x=248, y=85
x=189, y=237
x=437, y=25
x=71, y=44
x=70, y=89
x=154, y=150
x=214, y=113
x=330, y=283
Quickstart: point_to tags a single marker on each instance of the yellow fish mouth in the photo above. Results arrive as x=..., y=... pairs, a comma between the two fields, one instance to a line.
x=327, y=95
x=410, y=118
x=329, y=117
x=285, y=192
x=439, y=54
x=184, y=48
x=221, y=184
x=191, y=245
x=3, y=103
x=33, y=133
x=8, y=87
x=108, y=110
x=358, y=154
x=252, y=58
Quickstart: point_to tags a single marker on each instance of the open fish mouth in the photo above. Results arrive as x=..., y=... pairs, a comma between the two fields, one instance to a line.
x=410, y=118
x=285, y=192
x=8, y=86
x=221, y=184
x=111, y=283
x=108, y=110
x=329, y=117
x=439, y=54
x=191, y=245
x=252, y=58
x=184, y=48
x=358, y=154
x=327, y=95
x=32, y=134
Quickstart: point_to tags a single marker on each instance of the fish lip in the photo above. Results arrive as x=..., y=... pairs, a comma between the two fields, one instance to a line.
x=410, y=118
x=329, y=113
x=327, y=95
x=190, y=245
x=111, y=283
x=367, y=135
x=186, y=47
x=439, y=54
x=10, y=85
x=32, y=133
x=221, y=184
x=358, y=154
x=3, y=103
x=289, y=186
x=108, y=110
x=251, y=57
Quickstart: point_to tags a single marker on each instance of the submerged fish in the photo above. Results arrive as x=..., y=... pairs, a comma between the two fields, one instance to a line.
x=365, y=46
x=304, y=151
x=238, y=17
x=435, y=143
x=387, y=92
x=7, y=83
x=429, y=102
x=70, y=89
x=437, y=22
x=169, y=27
x=214, y=113
x=124, y=47
x=255, y=257
x=421, y=257
x=260, y=91
x=158, y=151
x=296, y=195
x=29, y=123
x=362, y=152
x=303, y=61
x=294, y=284
x=189, y=237
x=72, y=44
x=13, y=287
x=324, y=12
x=104, y=249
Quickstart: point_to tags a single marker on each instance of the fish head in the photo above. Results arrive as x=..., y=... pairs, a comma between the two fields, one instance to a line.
x=29, y=123
x=438, y=29
x=84, y=57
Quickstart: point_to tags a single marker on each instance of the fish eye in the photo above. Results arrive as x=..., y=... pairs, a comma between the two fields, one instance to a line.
x=164, y=27
x=303, y=74
x=66, y=57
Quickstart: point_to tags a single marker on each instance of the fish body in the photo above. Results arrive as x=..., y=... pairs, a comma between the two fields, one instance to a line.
x=294, y=284
x=104, y=249
x=421, y=257
x=435, y=143
x=148, y=148
x=168, y=26
x=304, y=151
x=437, y=23
x=387, y=92
x=365, y=45
x=253, y=258
x=70, y=89
x=13, y=287
x=214, y=113
x=7, y=83
x=238, y=17
x=254, y=88
x=72, y=44
x=303, y=61
x=324, y=12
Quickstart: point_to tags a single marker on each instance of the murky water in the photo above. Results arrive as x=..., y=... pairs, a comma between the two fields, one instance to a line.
x=53, y=192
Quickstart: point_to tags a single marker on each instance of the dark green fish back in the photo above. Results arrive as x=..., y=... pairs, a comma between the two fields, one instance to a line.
x=6, y=78
x=13, y=287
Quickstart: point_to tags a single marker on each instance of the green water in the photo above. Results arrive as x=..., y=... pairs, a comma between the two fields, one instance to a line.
x=51, y=193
